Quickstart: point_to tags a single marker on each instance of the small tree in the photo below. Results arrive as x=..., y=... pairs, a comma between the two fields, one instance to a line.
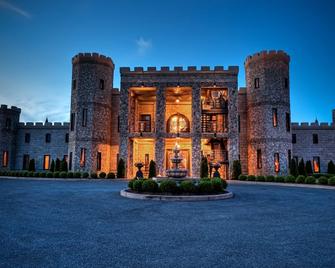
x=302, y=168
x=32, y=165
x=331, y=167
x=204, y=167
x=52, y=166
x=152, y=169
x=57, y=166
x=237, y=170
x=309, y=169
x=293, y=168
x=63, y=165
x=121, y=168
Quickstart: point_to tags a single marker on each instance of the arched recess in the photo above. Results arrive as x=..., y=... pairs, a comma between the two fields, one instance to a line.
x=178, y=123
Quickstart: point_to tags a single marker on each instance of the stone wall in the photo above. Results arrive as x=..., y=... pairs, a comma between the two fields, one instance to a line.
x=242, y=113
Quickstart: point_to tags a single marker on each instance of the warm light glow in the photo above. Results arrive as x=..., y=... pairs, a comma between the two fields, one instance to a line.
x=46, y=163
x=276, y=162
x=177, y=100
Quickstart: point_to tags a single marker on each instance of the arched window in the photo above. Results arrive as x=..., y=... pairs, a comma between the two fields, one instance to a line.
x=178, y=123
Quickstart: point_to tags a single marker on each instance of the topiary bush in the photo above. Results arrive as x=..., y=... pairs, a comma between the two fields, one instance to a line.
x=137, y=185
x=300, y=179
x=77, y=175
x=152, y=169
x=331, y=167
x=242, y=177
x=31, y=173
x=217, y=185
x=42, y=175
x=56, y=174
x=251, y=178
x=293, y=168
x=204, y=167
x=331, y=181
x=270, y=178
x=302, y=168
x=205, y=187
x=309, y=169
x=111, y=175
x=279, y=179
x=168, y=186
x=188, y=187
x=86, y=175
x=70, y=174
x=121, y=168
x=290, y=179
x=149, y=186
x=63, y=174
x=323, y=180
x=237, y=170
x=260, y=178
x=310, y=180
x=50, y=175
x=131, y=184
x=94, y=175
x=102, y=175
x=25, y=174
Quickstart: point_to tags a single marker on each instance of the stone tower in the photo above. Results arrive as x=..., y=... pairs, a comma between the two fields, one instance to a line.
x=268, y=113
x=9, y=122
x=91, y=113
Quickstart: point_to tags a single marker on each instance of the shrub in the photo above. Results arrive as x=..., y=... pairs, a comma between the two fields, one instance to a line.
x=204, y=167
x=224, y=183
x=251, y=178
x=237, y=170
x=42, y=174
x=270, y=178
x=302, y=168
x=56, y=174
x=137, y=185
x=205, y=187
x=300, y=179
x=319, y=175
x=25, y=174
x=86, y=175
x=290, y=179
x=309, y=169
x=152, y=169
x=63, y=165
x=205, y=179
x=57, y=165
x=168, y=186
x=52, y=167
x=70, y=174
x=131, y=184
x=331, y=167
x=111, y=175
x=121, y=168
x=31, y=173
x=310, y=180
x=242, y=177
x=77, y=175
x=63, y=174
x=149, y=186
x=50, y=175
x=94, y=175
x=188, y=187
x=279, y=179
x=331, y=181
x=217, y=185
x=102, y=175
x=323, y=180
x=260, y=178
x=293, y=168
x=32, y=165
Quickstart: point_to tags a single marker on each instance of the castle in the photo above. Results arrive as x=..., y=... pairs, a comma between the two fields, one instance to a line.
x=201, y=109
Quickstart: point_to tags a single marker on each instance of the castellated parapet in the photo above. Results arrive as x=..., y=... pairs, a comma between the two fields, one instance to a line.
x=268, y=110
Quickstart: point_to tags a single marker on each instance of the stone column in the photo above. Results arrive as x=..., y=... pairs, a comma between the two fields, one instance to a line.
x=196, y=130
x=123, y=121
x=160, y=128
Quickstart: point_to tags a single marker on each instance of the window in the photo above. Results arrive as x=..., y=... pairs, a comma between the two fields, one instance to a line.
x=289, y=157
x=48, y=138
x=256, y=83
x=72, y=121
x=46, y=162
x=82, y=157
x=259, y=159
x=84, y=122
x=26, y=160
x=294, y=138
x=315, y=139
x=276, y=162
x=74, y=84
x=102, y=84
x=67, y=138
x=98, y=161
x=286, y=82
x=288, y=122
x=70, y=161
x=239, y=123
x=118, y=124
x=8, y=123
x=178, y=123
x=27, y=138
x=316, y=164
x=274, y=117
x=5, y=158
x=145, y=123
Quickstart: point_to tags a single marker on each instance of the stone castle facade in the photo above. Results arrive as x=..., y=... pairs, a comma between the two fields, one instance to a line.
x=201, y=109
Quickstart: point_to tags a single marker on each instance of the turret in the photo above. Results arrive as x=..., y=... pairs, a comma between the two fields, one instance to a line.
x=268, y=113
x=90, y=118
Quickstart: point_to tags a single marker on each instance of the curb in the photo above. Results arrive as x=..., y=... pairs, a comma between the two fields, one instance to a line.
x=131, y=195
x=312, y=186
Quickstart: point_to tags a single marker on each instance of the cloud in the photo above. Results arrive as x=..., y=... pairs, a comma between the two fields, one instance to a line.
x=143, y=45
x=17, y=10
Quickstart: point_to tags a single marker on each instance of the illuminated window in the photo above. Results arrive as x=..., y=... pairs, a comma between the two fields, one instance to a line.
x=145, y=123
x=274, y=117
x=26, y=160
x=70, y=161
x=98, y=161
x=46, y=162
x=315, y=139
x=8, y=123
x=102, y=84
x=67, y=138
x=74, y=84
x=5, y=158
x=82, y=157
x=178, y=123
x=72, y=121
x=288, y=122
x=294, y=138
x=316, y=164
x=286, y=82
x=84, y=122
x=48, y=138
x=256, y=83
x=27, y=137
x=259, y=159
x=276, y=162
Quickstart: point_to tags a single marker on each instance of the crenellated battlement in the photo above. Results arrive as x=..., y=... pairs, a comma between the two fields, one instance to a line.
x=4, y=107
x=92, y=58
x=44, y=125
x=179, y=69
x=265, y=54
x=314, y=125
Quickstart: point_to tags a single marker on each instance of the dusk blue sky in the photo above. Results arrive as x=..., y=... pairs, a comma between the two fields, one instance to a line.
x=39, y=38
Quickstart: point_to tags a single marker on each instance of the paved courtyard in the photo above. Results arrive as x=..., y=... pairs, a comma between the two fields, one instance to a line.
x=87, y=223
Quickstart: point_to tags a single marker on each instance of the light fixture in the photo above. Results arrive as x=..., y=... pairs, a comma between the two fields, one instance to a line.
x=177, y=100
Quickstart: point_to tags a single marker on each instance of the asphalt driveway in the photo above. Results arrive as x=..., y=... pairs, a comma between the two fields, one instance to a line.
x=88, y=224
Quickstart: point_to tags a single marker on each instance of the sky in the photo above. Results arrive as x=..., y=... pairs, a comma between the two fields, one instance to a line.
x=39, y=38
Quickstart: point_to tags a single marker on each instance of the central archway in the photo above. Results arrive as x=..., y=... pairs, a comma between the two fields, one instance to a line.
x=178, y=123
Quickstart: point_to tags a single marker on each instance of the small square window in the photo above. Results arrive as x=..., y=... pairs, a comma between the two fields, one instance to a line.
x=288, y=122
x=294, y=138
x=72, y=121
x=102, y=84
x=256, y=83
x=67, y=138
x=74, y=84
x=48, y=138
x=315, y=139
x=286, y=82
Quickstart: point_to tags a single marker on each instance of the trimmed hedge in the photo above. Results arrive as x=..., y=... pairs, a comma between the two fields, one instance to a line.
x=86, y=175
x=111, y=175
x=260, y=178
x=188, y=187
x=169, y=186
x=63, y=174
x=131, y=184
x=310, y=180
x=149, y=186
x=279, y=179
x=270, y=178
x=251, y=178
x=300, y=179
x=77, y=175
x=94, y=175
x=217, y=185
x=323, y=180
x=290, y=179
x=102, y=175
x=242, y=177
x=137, y=185
x=205, y=187
x=331, y=181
